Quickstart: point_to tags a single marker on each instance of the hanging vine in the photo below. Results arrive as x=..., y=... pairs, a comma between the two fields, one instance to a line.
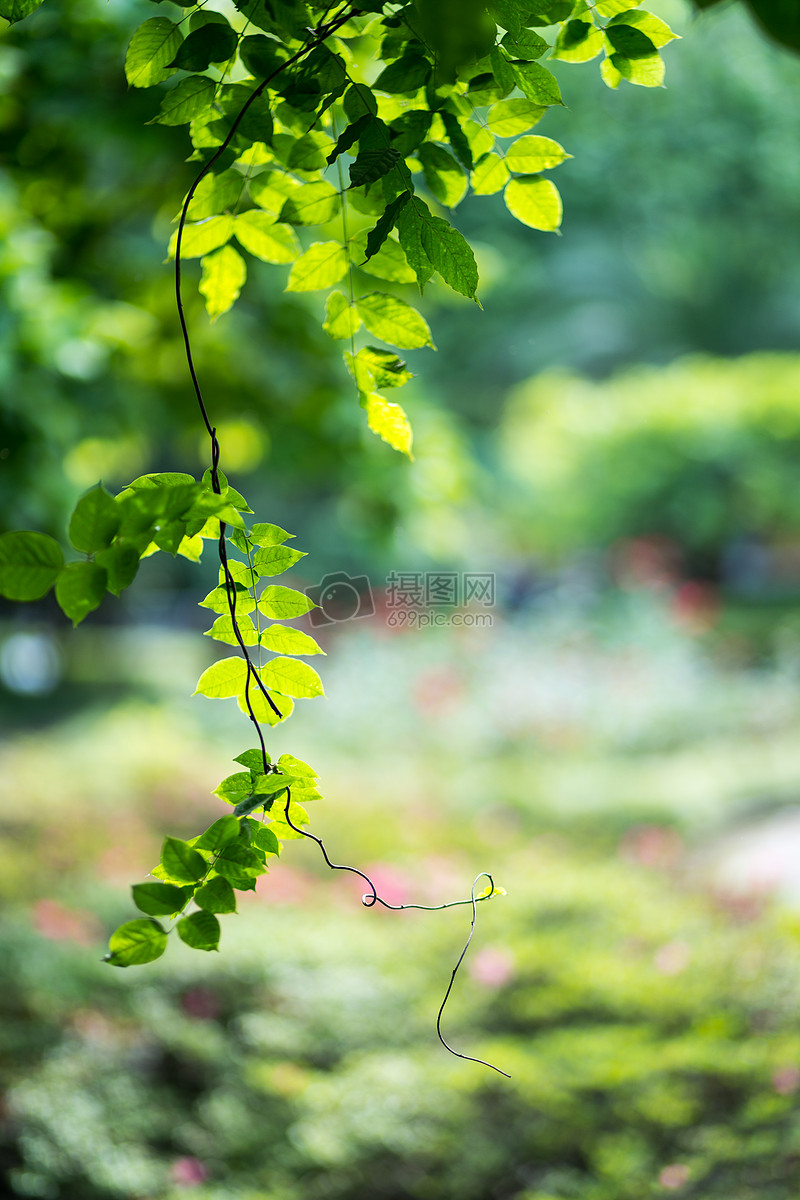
x=368, y=123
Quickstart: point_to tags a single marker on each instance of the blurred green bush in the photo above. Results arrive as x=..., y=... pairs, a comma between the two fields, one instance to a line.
x=704, y=451
x=653, y=1042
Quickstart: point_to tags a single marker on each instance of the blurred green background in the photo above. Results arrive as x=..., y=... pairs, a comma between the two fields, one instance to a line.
x=616, y=437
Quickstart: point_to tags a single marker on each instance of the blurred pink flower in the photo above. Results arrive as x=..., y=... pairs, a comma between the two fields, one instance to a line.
x=674, y=1176
x=786, y=1080
x=492, y=966
x=672, y=958
x=188, y=1172
x=61, y=924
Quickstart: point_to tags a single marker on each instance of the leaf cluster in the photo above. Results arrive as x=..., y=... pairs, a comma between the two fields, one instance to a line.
x=339, y=150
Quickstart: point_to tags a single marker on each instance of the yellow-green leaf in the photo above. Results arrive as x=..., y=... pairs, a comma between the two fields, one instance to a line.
x=341, y=317
x=507, y=118
x=285, y=640
x=188, y=100
x=489, y=176
x=653, y=27
x=152, y=47
x=262, y=711
x=292, y=678
x=222, y=630
x=531, y=154
x=282, y=603
x=224, y=678
x=534, y=201
x=323, y=264
x=390, y=422
x=224, y=273
x=259, y=235
x=394, y=321
x=202, y=237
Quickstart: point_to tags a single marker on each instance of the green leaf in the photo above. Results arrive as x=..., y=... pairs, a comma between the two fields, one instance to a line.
x=341, y=317
x=80, y=588
x=296, y=766
x=16, y=10
x=274, y=560
x=449, y=252
x=222, y=630
x=534, y=201
x=537, y=83
x=212, y=43
x=200, y=930
x=217, y=601
x=95, y=521
x=654, y=28
x=629, y=42
x=216, y=896
x=359, y=101
x=239, y=865
x=292, y=678
x=191, y=97
x=202, y=237
x=510, y=117
x=264, y=712
x=261, y=55
x=410, y=225
x=282, y=603
x=224, y=273
x=235, y=787
x=253, y=760
x=278, y=784
x=180, y=863
x=151, y=50
x=443, y=175
x=410, y=129
x=135, y=943
x=121, y=563
x=578, y=41
x=646, y=72
x=223, y=832
x=285, y=640
x=159, y=899
x=372, y=165
x=265, y=839
x=222, y=679
x=532, y=154
x=323, y=264
x=526, y=44
x=406, y=74
x=390, y=422
x=264, y=534
x=490, y=175
x=610, y=8
x=394, y=321
x=388, y=263
x=29, y=564
x=312, y=204
x=372, y=368
x=259, y=235
x=239, y=572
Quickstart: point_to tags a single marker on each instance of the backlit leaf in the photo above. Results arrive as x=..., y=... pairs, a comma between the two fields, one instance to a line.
x=507, y=118
x=222, y=630
x=222, y=679
x=490, y=175
x=224, y=273
x=202, y=237
x=443, y=175
x=537, y=83
x=224, y=831
x=534, y=201
x=95, y=521
x=312, y=204
x=282, y=603
x=283, y=639
x=191, y=97
x=390, y=422
x=261, y=236
x=531, y=154
x=151, y=50
x=323, y=264
x=292, y=678
x=394, y=321
x=135, y=943
x=180, y=862
x=216, y=896
x=341, y=317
